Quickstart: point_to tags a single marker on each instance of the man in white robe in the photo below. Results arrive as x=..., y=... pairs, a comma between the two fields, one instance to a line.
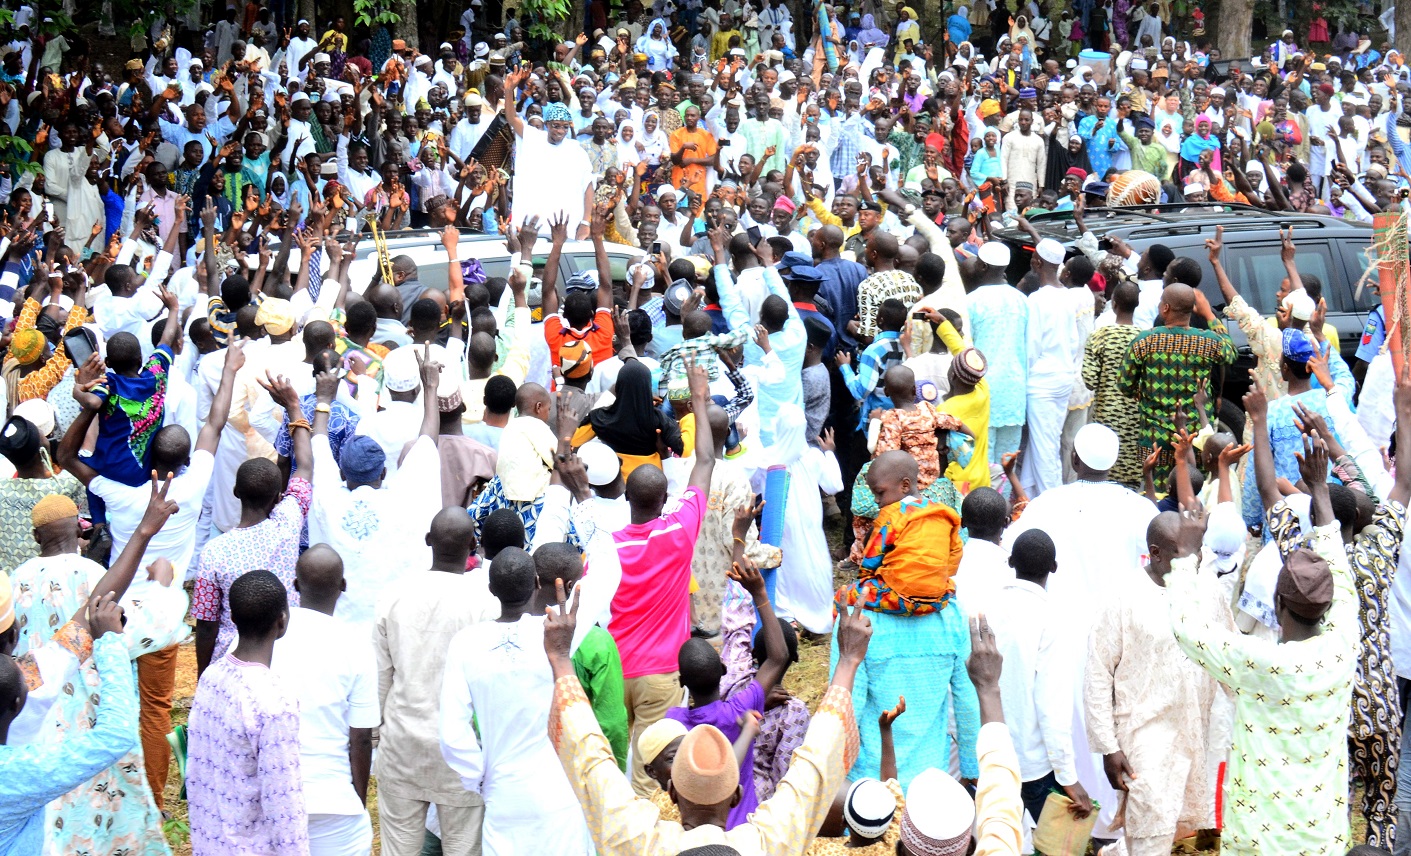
x=498, y=683
x=1099, y=530
x=1024, y=156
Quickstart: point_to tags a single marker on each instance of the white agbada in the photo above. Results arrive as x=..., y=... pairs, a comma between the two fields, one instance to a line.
x=498, y=677
x=805, y=589
x=1059, y=326
x=379, y=532
x=1099, y=530
x=544, y=192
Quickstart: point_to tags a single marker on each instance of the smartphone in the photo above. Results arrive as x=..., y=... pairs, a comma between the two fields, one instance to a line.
x=79, y=345
x=920, y=316
x=754, y=234
x=656, y=248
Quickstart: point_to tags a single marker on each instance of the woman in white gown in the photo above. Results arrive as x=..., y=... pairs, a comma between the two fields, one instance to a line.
x=805, y=586
x=656, y=44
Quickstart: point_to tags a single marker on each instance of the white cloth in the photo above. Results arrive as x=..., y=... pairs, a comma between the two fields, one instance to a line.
x=340, y=834
x=332, y=664
x=1032, y=684
x=544, y=193
x=983, y=572
x=176, y=541
x=393, y=427
x=379, y=532
x=1064, y=319
x=1148, y=312
x=805, y=579
x=498, y=678
x=1099, y=532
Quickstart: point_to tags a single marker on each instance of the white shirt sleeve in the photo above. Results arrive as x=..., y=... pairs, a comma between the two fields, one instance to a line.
x=459, y=746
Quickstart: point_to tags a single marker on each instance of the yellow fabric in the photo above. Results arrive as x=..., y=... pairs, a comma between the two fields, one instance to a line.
x=884, y=846
x=998, y=808
x=623, y=824
x=37, y=384
x=629, y=462
x=973, y=409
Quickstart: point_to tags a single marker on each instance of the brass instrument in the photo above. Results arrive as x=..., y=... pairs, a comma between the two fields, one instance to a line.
x=384, y=259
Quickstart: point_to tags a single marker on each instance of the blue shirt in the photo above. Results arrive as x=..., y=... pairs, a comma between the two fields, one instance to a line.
x=781, y=380
x=866, y=383
x=1286, y=441
x=999, y=322
x=841, y=279
x=1374, y=333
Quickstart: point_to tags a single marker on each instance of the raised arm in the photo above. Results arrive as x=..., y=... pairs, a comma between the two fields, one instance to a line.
x=89, y=375
x=430, y=377
x=300, y=431
x=558, y=234
x=705, y=444
x=1257, y=407
x=120, y=573
x=776, y=659
x=220, y=405
x=597, y=229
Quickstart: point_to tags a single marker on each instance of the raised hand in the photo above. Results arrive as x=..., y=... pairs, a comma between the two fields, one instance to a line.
x=159, y=508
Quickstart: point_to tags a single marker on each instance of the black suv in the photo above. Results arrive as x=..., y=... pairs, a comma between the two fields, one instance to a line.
x=1334, y=250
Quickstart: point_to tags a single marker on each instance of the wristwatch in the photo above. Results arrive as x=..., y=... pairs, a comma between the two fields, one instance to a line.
x=322, y=408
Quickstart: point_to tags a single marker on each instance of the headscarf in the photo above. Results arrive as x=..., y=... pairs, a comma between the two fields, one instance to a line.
x=1192, y=146
x=526, y=458
x=871, y=33
x=630, y=424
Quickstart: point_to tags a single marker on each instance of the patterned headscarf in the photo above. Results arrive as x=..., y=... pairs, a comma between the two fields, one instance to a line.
x=26, y=346
x=556, y=112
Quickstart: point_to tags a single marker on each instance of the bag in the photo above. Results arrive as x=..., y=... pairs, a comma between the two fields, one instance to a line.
x=1059, y=833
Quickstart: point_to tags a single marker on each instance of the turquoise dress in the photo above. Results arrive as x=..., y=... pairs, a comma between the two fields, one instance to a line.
x=33, y=775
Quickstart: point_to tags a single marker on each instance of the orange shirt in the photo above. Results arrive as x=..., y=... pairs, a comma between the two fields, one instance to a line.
x=695, y=174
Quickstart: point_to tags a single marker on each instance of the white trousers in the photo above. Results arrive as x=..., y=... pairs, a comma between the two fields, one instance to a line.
x=340, y=834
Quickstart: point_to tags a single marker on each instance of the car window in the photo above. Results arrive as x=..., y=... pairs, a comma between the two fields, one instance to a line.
x=1357, y=258
x=1258, y=271
x=585, y=261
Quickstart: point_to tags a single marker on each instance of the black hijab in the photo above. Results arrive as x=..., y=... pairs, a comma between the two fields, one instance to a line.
x=630, y=424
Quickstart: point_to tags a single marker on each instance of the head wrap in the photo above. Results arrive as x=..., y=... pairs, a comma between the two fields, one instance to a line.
x=988, y=108
x=276, y=315
x=659, y=734
x=556, y=112
x=869, y=808
x=1305, y=584
x=39, y=413
x=935, y=141
x=575, y=358
x=1225, y=535
x=53, y=507
x=630, y=425
x=27, y=346
x=705, y=772
x=526, y=458
x=784, y=203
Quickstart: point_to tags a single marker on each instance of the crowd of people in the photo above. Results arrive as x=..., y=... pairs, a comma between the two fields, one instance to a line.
x=534, y=557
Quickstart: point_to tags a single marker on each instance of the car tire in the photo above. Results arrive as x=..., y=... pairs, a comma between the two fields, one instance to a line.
x=1231, y=419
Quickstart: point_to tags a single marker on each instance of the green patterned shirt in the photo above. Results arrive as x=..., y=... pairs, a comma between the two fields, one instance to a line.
x=1162, y=370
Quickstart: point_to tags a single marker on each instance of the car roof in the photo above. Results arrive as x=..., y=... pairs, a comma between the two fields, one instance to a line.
x=1165, y=221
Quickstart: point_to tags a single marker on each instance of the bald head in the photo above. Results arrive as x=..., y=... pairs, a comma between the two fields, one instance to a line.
x=319, y=575
x=719, y=422
x=531, y=399
x=831, y=237
x=451, y=538
x=1177, y=303
x=646, y=492
x=883, y=245
x=891, y=477
x=900, y=384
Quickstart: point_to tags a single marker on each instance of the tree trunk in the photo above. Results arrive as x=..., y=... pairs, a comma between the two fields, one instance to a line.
x=407, y=28
x=1233, y=25
x=1403, y=27
x=306, y=12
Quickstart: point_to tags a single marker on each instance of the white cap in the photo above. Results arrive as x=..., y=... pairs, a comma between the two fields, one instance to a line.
x=301, y=95
x=601, y=462
x=1225, y=535
x=995, y=253
x=1300, y=305
x=1050, y=251
x=786, y=76
x=39, y=414
x=1096, y=445
x=322, y=57
x=939, y=812
x=400, y=372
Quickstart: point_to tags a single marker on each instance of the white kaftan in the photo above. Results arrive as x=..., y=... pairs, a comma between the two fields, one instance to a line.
x=805, y=591
x=498, y=677
x=1099, y=530
x=1060, y=320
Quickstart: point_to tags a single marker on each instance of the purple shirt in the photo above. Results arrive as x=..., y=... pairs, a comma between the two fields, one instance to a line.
x=243, y=785
x=725, y=714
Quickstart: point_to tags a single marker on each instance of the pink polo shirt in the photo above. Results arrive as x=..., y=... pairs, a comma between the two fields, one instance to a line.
x=651, y=612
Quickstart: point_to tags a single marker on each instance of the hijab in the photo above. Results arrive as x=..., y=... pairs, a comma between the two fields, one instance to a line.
x=871, y=33
x=630, y=424
x=1192, y=146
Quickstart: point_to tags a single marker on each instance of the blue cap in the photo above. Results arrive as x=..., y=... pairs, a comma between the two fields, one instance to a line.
x=362, y=460
x=793, y=259
x=804, y=275
x=1298, y=348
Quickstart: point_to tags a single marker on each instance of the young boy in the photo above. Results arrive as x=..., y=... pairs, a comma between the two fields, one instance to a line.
x=130, y=399
x=702, y=669
x=871, y=808
x=910, y=557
